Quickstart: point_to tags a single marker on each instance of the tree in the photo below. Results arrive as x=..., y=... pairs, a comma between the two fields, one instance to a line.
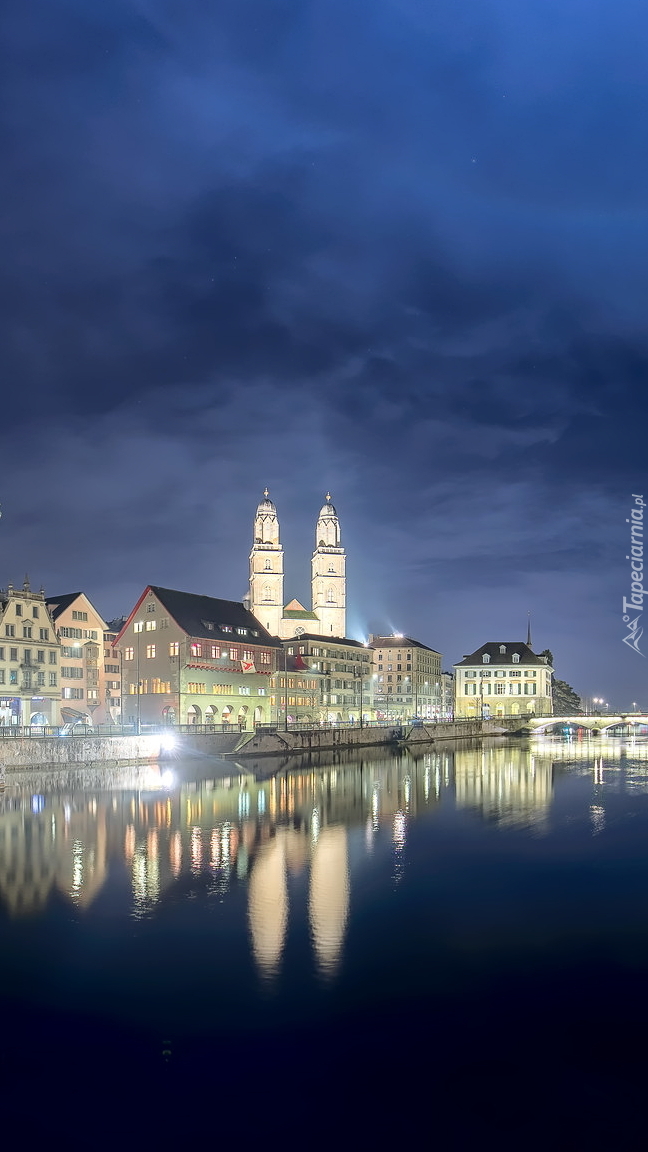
x=566, y=702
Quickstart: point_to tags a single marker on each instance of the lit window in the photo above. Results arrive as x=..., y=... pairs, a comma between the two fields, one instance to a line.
x=215, y=652
x=138, y=626
x=129, y=653
x=150, y=651
x=174, y=648
x=196, y=649
x=151, y=625
x=233, y=653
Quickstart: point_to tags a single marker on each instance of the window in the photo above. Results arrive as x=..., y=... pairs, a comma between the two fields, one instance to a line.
x=150, y=651
x=27, y=632
x=138, y=626
x=515, y=689
x=226, y=627
x=72, y=651
x=242, y=631
x=111, y=667
x=43, y=633
x=129, y=653
x=18, y=609
x=470, y=690
x=10, y=630
x=40, y=679
x=151, y=625
x=72, y=673
x=79, y=615
x=13, y=676
x=484, y=673
x=196, y=649
x=529, y=689
x=197, y=689
x=35, y=613
x=471, y=673
x=515, y=673
x=215, y=652
x=485, y=658
x=502, y=648
x=174, y=648
x=52, y=657
x=27, y=678
x=2, y=653
x=73, y=693
x=244, y=690
x=90, y=634
x=40, y=656
x=500, y=672
x=516, y=657
x=27, y=656
x=150, y=607
x=13, y=653
x=233, y=653
x=71, y=633
x=92, y=694
x=399, y=667
x=529, y=672
x=500, y=689
x=2, y=676
x=164, y=621
x=208, y=625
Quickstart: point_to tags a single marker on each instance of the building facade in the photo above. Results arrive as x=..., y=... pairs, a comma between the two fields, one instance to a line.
x=407, y=678
x=192, y=659
x=503, y=679
x=265, y=599
x=113, y=672
x=81, y=631
x=338, y=672
x=29, y=659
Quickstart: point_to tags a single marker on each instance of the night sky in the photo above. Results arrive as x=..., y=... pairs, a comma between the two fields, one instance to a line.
x=392, y=248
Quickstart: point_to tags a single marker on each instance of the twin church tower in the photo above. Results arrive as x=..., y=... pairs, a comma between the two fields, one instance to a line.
x=327, y=616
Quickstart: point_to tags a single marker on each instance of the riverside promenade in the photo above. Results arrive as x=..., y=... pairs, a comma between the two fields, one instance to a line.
x=20, y=750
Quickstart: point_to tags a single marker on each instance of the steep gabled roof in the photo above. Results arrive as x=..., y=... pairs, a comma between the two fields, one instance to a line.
x=58, y=604
x=194, y=614
x=512, y=647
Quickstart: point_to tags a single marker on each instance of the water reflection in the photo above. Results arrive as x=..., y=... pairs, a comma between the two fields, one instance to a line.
x=290, y=833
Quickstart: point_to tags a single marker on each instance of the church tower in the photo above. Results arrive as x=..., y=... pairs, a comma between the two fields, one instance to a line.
x=328, y=574
x=266, y=568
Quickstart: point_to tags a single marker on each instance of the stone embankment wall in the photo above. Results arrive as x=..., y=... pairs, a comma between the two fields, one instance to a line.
x=58, y=752
x=325, y=739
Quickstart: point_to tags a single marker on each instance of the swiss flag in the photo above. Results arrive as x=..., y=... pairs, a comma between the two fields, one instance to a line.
x=248, y=666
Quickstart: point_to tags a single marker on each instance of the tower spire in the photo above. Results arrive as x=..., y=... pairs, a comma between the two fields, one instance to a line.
x=529, y=629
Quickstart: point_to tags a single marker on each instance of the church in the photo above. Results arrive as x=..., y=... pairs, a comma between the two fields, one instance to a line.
x=327, y=614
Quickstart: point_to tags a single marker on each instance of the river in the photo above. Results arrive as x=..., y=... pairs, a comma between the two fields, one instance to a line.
x=440, y=942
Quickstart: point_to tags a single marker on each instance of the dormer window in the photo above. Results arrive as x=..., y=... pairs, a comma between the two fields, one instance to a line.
x=485, y=658
x=516, y=658
x=502, y=648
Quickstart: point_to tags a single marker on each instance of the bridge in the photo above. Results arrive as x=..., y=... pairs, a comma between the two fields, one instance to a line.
x=628, y=723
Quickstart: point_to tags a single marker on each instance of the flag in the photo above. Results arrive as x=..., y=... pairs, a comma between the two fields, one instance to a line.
x=300, y=665
x=248, y=666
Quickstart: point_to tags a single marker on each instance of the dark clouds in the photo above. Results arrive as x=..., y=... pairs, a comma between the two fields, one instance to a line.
x=395, y=249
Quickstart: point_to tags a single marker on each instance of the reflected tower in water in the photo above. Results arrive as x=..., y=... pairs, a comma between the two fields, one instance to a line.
x=328, y=904
x=268, y=905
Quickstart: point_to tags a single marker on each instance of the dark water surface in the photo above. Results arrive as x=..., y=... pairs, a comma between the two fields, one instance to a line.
x=451, y=944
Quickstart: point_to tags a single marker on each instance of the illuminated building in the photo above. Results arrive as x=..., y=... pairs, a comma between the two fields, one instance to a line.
x=83, y=678
x=30, y=687
x=330, y=678
x=407, y=678
x=327, y=616
x=503, y=679
x=195, y=659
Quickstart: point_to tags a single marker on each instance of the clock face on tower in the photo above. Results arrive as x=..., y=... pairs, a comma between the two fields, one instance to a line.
x=299, y=631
